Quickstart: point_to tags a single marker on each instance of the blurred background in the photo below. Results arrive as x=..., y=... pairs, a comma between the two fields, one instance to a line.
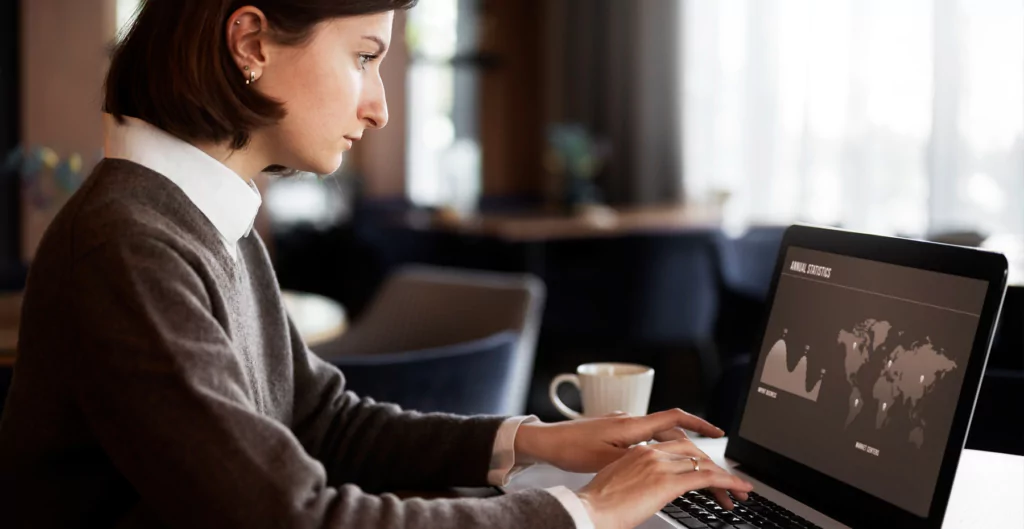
x=626, y=166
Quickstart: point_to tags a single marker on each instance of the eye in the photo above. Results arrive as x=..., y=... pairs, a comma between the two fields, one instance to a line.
x=366, y=58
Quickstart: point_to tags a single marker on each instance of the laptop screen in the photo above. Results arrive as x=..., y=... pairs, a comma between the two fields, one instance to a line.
x=861, y=369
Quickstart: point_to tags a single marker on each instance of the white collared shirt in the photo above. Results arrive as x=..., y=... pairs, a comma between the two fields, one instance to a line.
x=231, y=204
x=224, y=197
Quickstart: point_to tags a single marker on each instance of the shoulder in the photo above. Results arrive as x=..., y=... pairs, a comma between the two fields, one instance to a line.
x=123, y=203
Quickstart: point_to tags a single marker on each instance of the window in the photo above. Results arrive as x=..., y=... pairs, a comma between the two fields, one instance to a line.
x=891, y=117
x=443, y=163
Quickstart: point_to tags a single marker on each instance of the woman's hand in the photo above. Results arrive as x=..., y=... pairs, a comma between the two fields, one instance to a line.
x=633, y=488
x=588, y=445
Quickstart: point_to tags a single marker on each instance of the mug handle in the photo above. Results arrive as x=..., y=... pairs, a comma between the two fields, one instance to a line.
x=553, y=394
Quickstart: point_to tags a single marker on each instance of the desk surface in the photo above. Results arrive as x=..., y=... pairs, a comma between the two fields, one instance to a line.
x=984, y=479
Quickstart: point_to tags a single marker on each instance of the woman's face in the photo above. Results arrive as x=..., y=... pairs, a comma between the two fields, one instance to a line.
x=331, y=89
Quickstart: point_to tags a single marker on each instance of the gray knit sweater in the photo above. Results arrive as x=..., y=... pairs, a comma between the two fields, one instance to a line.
x=159, y=383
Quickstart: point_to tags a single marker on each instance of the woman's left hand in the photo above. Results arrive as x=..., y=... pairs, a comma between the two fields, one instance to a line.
x=588, y=445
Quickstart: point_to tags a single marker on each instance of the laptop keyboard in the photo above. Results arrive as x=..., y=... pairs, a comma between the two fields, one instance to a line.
x=699, y=510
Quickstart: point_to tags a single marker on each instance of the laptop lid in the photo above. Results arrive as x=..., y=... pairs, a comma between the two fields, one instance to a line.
x=862, y=392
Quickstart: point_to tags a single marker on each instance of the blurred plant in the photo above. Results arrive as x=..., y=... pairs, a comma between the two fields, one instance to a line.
x=38, y=164
x=576, y=158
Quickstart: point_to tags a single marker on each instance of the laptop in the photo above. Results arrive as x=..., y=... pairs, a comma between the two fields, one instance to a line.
x=860, y=397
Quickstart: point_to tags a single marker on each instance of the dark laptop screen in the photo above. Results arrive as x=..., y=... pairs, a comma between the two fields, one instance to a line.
x=861, y=369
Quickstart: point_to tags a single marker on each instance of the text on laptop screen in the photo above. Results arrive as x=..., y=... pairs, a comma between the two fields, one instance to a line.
x=861, y=370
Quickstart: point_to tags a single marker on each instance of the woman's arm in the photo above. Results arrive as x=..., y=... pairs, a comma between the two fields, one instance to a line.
x=377, y=445
x=164, y=392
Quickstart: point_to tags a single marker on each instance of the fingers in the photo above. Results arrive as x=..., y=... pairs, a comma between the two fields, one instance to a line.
x=683, y=447
x=672, y=434
x=684, y=465
x=712, y=478
x=668, y=419
x=681, y=463
x=723, y=499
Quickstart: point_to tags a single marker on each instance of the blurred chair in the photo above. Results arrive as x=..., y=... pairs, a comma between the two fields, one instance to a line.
x=12, y=276
x=723, y=410
x=649, y=298
x=1003, y=384
x=748, y=263
x=994, y=427
x=424, y=309
x=469, y=378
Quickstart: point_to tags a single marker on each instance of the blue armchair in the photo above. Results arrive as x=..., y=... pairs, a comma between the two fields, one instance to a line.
x=469, y=378
x=446, y=322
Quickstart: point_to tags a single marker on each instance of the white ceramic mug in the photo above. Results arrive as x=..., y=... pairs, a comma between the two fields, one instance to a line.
x=607, y=388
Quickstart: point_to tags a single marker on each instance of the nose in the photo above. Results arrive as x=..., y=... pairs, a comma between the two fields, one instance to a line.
x=374, y=108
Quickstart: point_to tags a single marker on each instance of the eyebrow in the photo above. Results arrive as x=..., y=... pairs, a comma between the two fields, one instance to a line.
x=381, y=47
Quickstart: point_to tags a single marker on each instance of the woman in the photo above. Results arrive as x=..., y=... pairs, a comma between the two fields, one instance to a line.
x=160, y=383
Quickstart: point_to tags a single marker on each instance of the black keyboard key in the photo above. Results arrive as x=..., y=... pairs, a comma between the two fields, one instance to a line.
x=706, y=517
x=680, y=516
x=784, y=511
x=745, y=526
x=718, y=524
x=693, y=523
x=671, y=508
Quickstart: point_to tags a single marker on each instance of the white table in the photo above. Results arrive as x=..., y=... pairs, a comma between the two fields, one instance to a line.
x=988, y=490
x=317, y=318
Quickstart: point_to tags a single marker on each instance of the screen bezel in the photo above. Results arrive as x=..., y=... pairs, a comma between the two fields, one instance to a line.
x=835, y=498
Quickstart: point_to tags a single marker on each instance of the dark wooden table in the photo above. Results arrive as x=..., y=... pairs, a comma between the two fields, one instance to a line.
x=10, y=318
x=591, y=222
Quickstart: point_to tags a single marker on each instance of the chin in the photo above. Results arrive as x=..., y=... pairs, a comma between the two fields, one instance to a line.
x=324, y=166
x=333, y=165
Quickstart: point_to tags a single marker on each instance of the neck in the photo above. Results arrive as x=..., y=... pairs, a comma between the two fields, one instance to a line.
x=247, y=163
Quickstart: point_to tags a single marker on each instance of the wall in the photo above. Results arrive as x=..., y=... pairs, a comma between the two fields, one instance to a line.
x=64, y=51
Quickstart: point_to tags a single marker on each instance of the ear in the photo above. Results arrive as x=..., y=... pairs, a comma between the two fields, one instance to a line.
x=246, y=33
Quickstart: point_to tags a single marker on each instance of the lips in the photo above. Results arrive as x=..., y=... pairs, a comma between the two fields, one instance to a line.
x=352, y=139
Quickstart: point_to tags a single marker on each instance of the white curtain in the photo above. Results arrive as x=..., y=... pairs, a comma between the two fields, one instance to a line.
x=889, y=116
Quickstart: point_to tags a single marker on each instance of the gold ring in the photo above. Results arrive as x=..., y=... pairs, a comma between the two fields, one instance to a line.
x=696, y=464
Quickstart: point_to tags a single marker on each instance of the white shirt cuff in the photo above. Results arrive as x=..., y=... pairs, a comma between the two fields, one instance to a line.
x=503, y=456
x=574, y=505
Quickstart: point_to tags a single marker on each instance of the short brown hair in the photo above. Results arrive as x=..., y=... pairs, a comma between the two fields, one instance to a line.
x=173, y=68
